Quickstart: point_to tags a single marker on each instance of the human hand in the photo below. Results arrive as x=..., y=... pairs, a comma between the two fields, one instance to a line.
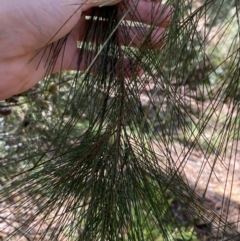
x=28, y=26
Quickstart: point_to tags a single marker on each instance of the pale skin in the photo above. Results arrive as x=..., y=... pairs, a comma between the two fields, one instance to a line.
x=28, y=26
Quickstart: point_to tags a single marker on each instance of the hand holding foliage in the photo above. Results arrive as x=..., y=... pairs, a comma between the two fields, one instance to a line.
x=88, y=168
x=25, y=62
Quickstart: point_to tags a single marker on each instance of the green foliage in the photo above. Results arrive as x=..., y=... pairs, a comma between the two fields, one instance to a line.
x=85, y=158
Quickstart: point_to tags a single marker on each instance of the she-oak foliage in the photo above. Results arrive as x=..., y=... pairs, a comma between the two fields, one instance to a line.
x=101, y=156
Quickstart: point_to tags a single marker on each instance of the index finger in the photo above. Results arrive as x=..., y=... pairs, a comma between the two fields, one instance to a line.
x=148, y=12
